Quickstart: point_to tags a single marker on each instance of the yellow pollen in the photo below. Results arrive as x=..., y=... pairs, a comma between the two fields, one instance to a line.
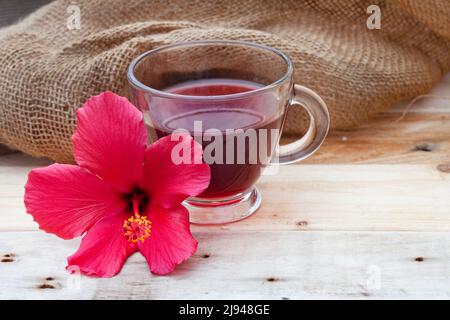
x=137, y=228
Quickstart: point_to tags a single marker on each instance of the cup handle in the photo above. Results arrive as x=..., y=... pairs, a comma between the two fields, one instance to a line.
x=319, y=125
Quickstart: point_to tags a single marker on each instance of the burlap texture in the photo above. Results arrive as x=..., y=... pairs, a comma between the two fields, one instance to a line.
x=47, y=71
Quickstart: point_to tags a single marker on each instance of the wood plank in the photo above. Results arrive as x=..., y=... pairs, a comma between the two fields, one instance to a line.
x=418, y=139
x=14, y=169
x=303, y=197
x=391, y=137
x=246, y=265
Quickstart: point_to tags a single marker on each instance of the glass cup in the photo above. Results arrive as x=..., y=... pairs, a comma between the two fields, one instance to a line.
x=233, y=98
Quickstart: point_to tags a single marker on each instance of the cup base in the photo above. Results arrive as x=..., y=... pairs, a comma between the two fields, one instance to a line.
x=223, y=211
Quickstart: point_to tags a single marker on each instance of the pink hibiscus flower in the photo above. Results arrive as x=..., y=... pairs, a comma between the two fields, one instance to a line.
x=124, y=196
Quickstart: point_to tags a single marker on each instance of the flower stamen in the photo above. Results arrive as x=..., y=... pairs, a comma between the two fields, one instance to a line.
x=137, y=228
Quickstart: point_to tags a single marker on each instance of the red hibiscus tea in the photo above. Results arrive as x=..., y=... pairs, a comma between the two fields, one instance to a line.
x=238, y=136
x=233, y=97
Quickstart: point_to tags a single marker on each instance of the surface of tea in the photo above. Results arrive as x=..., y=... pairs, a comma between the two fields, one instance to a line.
x=238, y=170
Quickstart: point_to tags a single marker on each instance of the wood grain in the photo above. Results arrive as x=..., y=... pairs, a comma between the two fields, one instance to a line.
x=366, y=217
x=244, y=265
x=304, y=197
x=421, y=136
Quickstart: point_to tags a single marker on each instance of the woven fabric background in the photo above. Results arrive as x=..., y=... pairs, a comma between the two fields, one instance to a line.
x=47, y=71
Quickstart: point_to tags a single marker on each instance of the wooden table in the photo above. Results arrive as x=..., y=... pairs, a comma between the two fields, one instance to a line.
x=366, y=217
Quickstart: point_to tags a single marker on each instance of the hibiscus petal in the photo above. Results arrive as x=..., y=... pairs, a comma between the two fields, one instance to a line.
x=104, y=249
x=170, y=241
x=169, y=183
x=110, y=140
x=67, y=200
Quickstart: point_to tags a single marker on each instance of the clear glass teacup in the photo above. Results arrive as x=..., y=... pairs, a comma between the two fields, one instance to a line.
x=233, y=98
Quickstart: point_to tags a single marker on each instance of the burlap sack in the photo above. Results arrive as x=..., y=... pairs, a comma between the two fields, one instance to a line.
x=47, y=70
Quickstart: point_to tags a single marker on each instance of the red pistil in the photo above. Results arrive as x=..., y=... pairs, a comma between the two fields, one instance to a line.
x=138, y=227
